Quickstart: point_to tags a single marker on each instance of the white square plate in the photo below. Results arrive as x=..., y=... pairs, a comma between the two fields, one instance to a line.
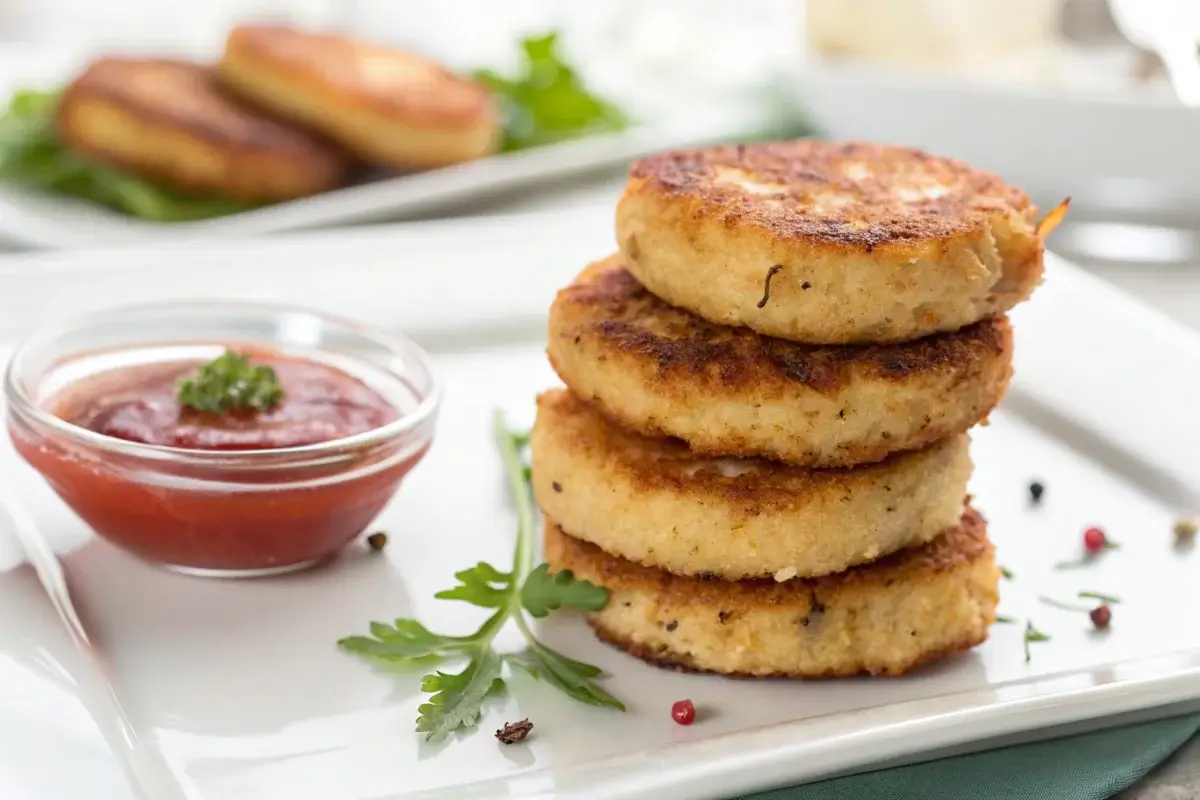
x=214, y=690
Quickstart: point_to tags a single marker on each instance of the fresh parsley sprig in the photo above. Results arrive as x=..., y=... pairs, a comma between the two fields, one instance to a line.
x=231, y=383
x=456, y=698
x=547, y=101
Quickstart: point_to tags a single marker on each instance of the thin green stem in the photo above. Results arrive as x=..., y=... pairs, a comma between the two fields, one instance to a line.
x=518, y=483
x=522, y=624
x=510, y=455
x=488, y=630
x=1103, y=598
x=1050, y=601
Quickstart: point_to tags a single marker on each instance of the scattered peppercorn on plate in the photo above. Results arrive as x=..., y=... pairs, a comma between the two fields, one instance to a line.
x=1083, y=480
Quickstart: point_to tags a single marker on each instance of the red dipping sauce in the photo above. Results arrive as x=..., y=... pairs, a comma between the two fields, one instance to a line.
x=140, y=404
x=233, y=493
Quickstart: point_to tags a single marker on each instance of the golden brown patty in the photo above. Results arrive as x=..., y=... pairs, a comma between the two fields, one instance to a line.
x=167, y=120
x=728, y=391
x=655, y=502
x=385, y=105
x=916, y=606
x=829, y=243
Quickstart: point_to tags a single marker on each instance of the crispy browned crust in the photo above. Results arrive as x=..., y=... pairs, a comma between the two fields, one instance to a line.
x=680, y=372
x=186, y=96
x=829, y=243
x=763, y=487
x=681, y=662
x=608, y=305
x=870, y=212
x=653, y=501
x=955, y=548
x=190, y=135
x=388, y=81
x=961, y=558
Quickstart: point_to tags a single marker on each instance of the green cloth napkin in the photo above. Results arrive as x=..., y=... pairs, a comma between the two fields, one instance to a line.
x=1090, y=766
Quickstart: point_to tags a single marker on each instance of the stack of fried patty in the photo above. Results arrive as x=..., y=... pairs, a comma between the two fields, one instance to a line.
x=762, y=450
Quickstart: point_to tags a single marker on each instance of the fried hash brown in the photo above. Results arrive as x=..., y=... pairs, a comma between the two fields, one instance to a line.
x=886, y=618
x=387, y=106
x=168, y=121
x=829, y=243
x=660, y=370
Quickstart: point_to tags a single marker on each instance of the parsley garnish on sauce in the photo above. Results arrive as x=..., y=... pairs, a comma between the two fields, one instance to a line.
x=455, y=699
x=230, y=383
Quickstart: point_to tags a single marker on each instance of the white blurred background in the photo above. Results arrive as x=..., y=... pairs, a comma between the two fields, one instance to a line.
x=1047, y=92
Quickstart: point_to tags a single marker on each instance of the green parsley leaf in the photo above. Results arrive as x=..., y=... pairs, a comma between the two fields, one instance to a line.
x=230, y=383
x=525, y=660
x=32, y=156
x=573, y=678
x=547, y=101
x=406, y=640
x=32, y=103
x=1032, y=634
x=481, y=585
x=544, y=592
x=456, y=699
x=1103, y=598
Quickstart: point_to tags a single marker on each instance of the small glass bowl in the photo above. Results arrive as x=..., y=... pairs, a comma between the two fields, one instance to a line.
x=220, y=513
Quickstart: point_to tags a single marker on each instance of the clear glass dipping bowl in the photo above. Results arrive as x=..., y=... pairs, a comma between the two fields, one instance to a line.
x=229, y=512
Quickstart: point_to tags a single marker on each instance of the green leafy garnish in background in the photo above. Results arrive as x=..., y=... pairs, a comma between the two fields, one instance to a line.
x=546, y=101
x=32, y=156
x=456, y=698
x=231, y=383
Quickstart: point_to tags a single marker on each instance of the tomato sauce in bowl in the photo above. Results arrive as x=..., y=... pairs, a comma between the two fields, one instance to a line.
x=141, y=404
x=243, y=491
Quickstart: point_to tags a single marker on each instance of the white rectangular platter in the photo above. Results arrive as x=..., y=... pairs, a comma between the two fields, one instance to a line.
x=211, y=690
